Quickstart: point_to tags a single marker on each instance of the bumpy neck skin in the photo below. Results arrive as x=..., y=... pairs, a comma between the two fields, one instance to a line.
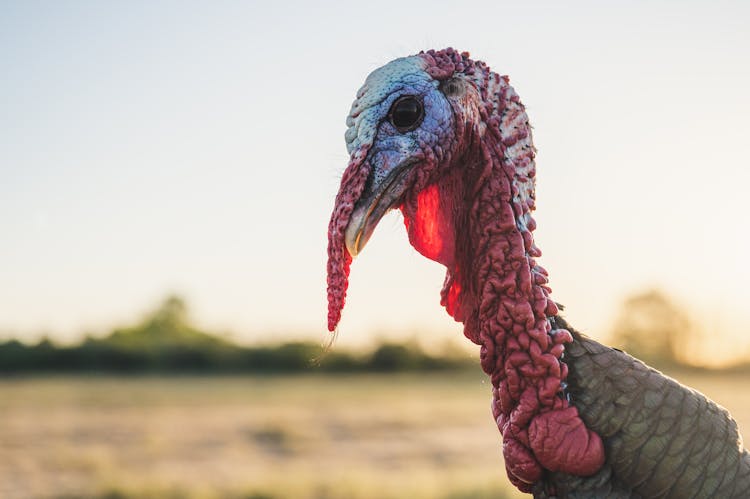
x=496, y=288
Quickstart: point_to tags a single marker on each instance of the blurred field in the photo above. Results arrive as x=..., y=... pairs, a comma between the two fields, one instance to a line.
x=363, y=436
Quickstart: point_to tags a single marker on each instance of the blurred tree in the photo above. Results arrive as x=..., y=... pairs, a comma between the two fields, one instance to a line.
x=397, y=357
x=166, y=326
x=651, y=327
x=171, y=314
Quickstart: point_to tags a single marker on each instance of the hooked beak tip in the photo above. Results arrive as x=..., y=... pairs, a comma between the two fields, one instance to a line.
x=372, y=206
x=353, y=239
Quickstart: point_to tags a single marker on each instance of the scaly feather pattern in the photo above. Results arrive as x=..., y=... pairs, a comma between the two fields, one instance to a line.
x=662, y=439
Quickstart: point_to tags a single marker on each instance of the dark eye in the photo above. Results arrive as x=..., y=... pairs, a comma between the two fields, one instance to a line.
x=406, y=113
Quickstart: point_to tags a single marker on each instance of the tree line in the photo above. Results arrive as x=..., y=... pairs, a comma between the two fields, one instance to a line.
x=649, y=326
x=166, y=341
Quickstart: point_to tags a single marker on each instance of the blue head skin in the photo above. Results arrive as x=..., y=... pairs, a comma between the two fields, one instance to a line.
x=402, y=159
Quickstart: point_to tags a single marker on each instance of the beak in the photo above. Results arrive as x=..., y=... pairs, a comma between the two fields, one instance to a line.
x=372, y=184
x=384, y=191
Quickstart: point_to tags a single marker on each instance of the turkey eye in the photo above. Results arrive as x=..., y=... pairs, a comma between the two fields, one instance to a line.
x=406, y=113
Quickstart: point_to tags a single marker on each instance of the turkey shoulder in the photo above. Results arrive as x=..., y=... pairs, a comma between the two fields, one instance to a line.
x=662, y=438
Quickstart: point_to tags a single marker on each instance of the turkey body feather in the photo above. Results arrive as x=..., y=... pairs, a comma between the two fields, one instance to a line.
x=662, y=439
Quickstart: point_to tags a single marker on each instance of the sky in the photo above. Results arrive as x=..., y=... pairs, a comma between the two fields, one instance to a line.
x=149, y=148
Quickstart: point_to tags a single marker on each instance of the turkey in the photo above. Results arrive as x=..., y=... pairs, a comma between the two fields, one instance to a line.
x=447, y=141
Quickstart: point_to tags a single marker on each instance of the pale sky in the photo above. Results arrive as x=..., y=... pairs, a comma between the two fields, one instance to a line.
x=196, y=147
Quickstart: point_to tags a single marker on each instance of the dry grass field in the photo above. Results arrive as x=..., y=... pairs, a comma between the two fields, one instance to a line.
x=366, y=436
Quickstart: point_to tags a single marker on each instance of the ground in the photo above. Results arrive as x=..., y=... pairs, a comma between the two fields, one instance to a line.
x=348, y=436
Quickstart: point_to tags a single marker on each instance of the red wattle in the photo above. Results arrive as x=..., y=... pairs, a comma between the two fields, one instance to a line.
x=429, y=225
x=561, y=442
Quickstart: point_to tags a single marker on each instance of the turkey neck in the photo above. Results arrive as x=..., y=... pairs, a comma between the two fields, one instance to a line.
x=510, y=307
x=504, y=302
x=500, y=293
